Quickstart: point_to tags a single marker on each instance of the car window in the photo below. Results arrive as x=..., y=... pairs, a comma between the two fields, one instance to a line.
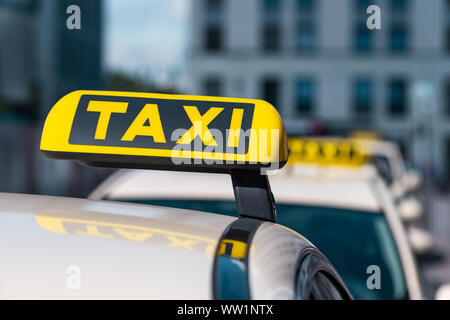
x=352, y=240
x=215, y=206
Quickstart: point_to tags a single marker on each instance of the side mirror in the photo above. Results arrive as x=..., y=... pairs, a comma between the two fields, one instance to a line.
x=443, y=292
x=421, y=241
x=410, y=209
x=412, y=180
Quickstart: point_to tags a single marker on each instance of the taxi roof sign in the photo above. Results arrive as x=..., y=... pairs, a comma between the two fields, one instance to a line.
x=242, y=137
x=164, y=131
x=365, y=134
x=326, y=151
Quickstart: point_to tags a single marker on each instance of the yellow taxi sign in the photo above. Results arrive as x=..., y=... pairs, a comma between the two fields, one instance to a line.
x=322, y=151
x=147, y=130
x=365, y=134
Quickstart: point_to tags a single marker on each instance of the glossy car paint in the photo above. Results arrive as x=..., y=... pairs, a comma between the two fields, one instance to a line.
x=356, y=188
x=66, y=248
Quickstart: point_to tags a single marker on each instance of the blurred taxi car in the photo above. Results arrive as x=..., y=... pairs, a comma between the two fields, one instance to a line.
x=76, y=248
x=386, y=158
x=347, y=211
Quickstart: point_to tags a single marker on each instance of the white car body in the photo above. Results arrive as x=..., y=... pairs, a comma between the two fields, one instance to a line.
x=121, y=251
x=354, y=188
x=68, y=248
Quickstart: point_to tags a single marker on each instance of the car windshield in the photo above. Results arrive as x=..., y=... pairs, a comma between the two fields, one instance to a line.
x=354, y=241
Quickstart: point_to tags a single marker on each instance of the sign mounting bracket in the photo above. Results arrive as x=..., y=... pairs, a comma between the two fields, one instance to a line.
x=254, y=198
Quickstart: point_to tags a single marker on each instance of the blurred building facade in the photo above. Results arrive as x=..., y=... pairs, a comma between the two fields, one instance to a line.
x=326, y=72
x=40, y=61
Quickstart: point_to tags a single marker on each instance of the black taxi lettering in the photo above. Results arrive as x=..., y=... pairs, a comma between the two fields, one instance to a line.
x=149, y=122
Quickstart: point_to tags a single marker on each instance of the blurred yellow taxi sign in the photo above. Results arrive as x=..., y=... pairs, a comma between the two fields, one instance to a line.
x=365, y=134
x=320, y=151
x=146, y=130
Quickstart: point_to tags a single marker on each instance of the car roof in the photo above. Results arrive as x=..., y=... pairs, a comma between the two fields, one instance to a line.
x=332, y=187
x=147, y=251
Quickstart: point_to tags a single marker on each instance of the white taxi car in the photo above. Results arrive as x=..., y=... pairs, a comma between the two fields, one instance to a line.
x=348, y=213
x=386, y=158
x=333, y=186
x=65, y=248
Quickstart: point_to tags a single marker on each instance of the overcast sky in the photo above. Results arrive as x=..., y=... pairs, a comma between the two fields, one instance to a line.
x=145, y=35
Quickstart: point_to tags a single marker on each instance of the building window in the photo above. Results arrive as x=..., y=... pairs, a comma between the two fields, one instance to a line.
x=271, y=37
x=447, y=97
x=397, y=97
x=213, y=37
x=304, y=95
x=305, y=36
x=363, y=39
x=447, y=157
x=212, y=86
x=447, y=40
x=361, y=5
x=271, y=25
x=306, y=5
x=399, y=5
x=213, y=5
x=270, y=5
x=270, y=91
x=363, y=96
x=398, y=38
